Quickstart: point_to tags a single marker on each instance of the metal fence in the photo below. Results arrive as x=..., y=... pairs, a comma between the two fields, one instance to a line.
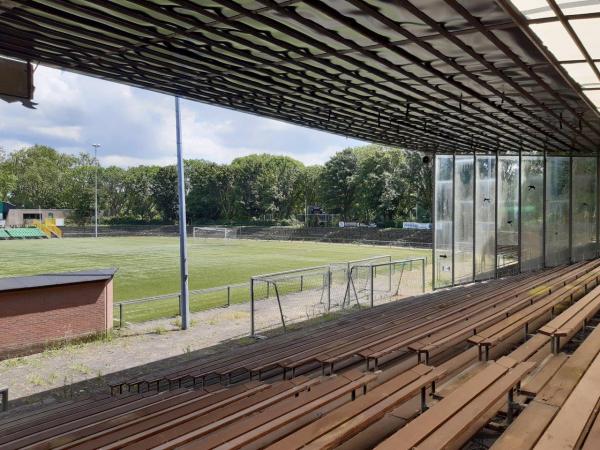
x=169, y=305
x=281, y=298
x=307, y=293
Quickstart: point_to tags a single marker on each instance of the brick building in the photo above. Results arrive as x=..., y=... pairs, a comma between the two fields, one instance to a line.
x=38, y=310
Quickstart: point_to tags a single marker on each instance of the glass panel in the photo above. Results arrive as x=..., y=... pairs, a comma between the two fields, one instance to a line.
x=557, y=210
x=532, y=213
x=485, y=213
x=443, y=220
x=508, y=215
x=463, y=219
x=584, y=208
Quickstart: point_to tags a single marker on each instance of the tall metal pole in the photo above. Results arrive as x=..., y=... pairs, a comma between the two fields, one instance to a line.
x=183, y=263
x=96, y=146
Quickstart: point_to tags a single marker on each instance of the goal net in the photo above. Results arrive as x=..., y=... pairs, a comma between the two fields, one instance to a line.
x=215, y=233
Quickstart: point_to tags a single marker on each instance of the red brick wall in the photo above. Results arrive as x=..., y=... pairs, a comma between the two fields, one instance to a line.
x=30, y=319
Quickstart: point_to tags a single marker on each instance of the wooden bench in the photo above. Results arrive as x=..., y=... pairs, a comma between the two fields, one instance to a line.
x=226, y=423
x=455, y=419
x=567, y=324
x=447, y=338
x=569, y=427
x=350, y=419
x=263, y=355
x=526, y=318
x=527, y=428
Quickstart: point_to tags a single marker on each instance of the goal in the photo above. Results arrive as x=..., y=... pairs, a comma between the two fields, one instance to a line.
x=215, y=233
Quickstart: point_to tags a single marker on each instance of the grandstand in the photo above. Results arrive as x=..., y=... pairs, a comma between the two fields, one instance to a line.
x=506, y=355
x=504, y=94
x=22, y=233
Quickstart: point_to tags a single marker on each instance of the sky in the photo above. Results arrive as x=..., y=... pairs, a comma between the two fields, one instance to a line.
x=134, y=126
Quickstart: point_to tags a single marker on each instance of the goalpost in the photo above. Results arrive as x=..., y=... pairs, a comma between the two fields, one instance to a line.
x=215, y=233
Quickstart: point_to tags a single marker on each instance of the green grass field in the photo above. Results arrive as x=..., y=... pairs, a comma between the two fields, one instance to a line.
x=149, y=266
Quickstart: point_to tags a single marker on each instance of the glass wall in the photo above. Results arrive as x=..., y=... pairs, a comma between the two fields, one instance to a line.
x=532, y=213
x=557, y=210
x=479, y=215
x=463, y=218
x=584, y=208
x=485, y=215
x=508, y=215
x=443, y=220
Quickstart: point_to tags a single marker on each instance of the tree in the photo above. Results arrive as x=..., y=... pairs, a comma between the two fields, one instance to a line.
x=339, y=183
x=164, y=192
x=7, y=179
x=113, y=190
x=208, y=190
x=42, y=176
x=138, y=186
x=264, y=185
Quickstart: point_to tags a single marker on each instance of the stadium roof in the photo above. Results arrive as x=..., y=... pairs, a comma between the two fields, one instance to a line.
x=432, y=75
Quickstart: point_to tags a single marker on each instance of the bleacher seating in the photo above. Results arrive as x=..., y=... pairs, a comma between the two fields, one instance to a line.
x=25, y=233
x=401, y=375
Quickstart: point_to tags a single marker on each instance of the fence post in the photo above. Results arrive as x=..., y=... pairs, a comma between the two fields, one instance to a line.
x=228, y=296
x=268, y=286
x=301, y=283
x=4, y=397
x=328, y=288
x=252, y=306
x=390, y=276
x=423, y=275
x=120, y=315
x=371, y=287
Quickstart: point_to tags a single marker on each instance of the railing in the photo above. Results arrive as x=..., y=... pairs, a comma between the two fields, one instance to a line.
x=169, y=305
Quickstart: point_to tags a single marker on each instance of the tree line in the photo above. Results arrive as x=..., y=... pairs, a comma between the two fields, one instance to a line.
x=367, y=184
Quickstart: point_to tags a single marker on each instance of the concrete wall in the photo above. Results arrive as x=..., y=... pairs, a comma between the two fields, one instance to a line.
x=30, y=319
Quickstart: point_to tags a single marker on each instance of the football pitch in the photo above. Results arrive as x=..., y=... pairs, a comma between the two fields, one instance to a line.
x=149, y=266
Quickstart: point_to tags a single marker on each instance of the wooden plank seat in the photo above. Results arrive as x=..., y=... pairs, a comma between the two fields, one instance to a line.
x=283, y=348
x=239, y=416
x=393, y=342
x=531, y=423
x=486, y=314
x=348, y=420
x=83, y=414
x=569, y=427
x=259, y=349
x=362, y=329
x=536, y=382
x=17, y=421
x=526, y=318
x=95, y=430
x=455, y=419
x=568, y=323
x=592, y=440
x=263, y=362
x=449, y=298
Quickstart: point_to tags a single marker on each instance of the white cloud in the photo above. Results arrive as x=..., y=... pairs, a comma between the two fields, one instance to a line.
x=71, y=133
x=138, y=127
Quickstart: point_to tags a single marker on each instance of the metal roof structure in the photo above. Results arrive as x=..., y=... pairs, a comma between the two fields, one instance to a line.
x=428, y=75
x=55, y=279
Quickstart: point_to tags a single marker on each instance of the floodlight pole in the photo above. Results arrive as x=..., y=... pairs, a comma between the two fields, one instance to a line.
x=96, y=146
x=183, y=263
